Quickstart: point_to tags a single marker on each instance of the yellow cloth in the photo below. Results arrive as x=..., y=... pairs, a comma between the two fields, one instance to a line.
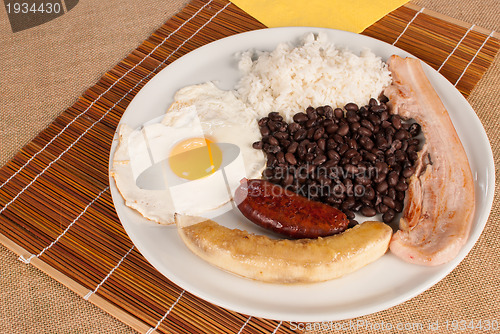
x=348, y=15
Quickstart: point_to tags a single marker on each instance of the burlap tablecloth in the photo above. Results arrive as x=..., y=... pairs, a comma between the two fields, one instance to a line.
x=44, y=69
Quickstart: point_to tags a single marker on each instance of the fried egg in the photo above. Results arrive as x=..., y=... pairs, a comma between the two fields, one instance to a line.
x=204, y=147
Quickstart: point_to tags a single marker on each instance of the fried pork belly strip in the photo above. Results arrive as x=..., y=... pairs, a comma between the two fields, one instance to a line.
x=440, y=203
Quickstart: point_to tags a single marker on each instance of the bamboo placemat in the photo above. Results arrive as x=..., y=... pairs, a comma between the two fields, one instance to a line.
x=56, y=210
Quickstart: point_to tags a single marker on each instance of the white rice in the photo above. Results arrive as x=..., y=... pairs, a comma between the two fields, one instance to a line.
x=315, y=73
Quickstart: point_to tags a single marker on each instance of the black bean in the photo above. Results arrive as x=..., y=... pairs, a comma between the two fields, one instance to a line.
x=402, y=134
x=368, y=211
x=343, y=130
x=367, y=124
x=280, y=156
x=310, y=169
x=275, y=116
x=366, y=142
x=349, y=214
x=365, y=132
x=381, y=167
x=263, y=121
x=408, y=171
x=414, y=129
x=274, y=125
x=318, y=133
x=281, y=135
x=382, y=143
x=384, y=116
x=369, y=193
x=391, y=159
x=330, y=129
x=363, y=180
x=400, y=155
x=271, y=159
x=388, y=216
x=292, y=148
x=331, y=144
x=392, y=179
x=258, y=145
x=342, y=148
x=412, y=148
x=338, y=138
x=322, y=144
x=300, y=117
x=285, y=143
x=389, y=202
x=382, y=208
x=372, y=102
x=338, y=113
x=310, y=133
x=402, y=185
x=273, y=149
x=359, y=190
x=328, y=112
x=311, y=113
x=288, y=180
x=396, y=122
x=400, y=196
x=356, y=159
x=404, y=145
x=311, y=147
x=368, y=156
x=398, y=207
x=333, y=155
x=344, y=161
x=264, y=131
x=351, y=106
x=397, y=168
x=300, y=135
x=352, y=223
x=375, y=119
x=350, y=153
x=413, y=141
x=351, y=169
x=350, y=113
x=391, y=192
x=379, y=177
x=357, y=206
x=382, y=187
x=301, y=151
x=310, y=123
x=413, y=156
x=379, y=108
x=268, y=173
x=354, y=126
x=290, y=158
x=385, y=124
x=319, y=160
x=273, y=141
x=293, y=127
x=327, y=122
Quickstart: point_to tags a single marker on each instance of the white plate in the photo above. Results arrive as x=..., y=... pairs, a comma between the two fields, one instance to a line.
x=378, y=286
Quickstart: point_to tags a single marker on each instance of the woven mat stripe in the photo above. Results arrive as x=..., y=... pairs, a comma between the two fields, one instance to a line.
x=457, y=44
x=151, y=298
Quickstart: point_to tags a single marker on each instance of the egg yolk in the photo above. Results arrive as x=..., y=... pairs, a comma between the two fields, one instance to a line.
x=195, y=158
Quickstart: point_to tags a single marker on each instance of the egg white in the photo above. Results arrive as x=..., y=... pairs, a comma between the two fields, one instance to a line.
x=197, y=111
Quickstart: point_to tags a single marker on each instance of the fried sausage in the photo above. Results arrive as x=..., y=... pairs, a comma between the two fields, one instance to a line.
x=285, y=212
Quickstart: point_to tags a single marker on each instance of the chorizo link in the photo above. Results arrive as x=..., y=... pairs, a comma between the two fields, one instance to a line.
x=285, y=212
